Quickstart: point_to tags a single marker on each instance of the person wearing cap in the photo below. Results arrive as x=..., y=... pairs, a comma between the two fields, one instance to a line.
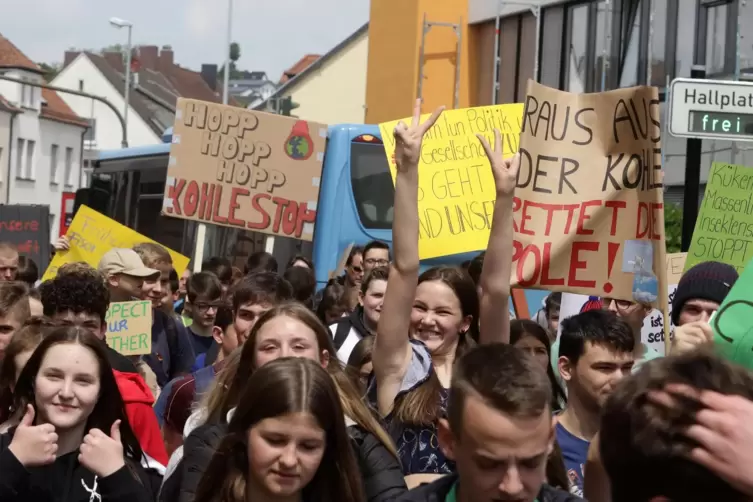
x=125, y=274
x=700, y=292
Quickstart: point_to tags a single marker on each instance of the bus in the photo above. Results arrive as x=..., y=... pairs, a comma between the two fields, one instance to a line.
x=355, y=205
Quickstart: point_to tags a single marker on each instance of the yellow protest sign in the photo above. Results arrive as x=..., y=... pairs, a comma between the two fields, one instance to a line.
x=129, y=327
x=456, y=191
x=92, y=234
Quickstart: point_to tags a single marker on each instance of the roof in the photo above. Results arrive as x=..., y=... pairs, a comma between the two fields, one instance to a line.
x=154, y=93
x=315, y=65
x=56, y=109
x=53, y=106
x=156, y=108
x=298, y=67
x=6, y=106
x=12, y=57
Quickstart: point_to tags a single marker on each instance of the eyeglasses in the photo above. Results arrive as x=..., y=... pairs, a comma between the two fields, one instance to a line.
x=622, y=305
x=357, y=270
x=203, y=307
x=377, y=262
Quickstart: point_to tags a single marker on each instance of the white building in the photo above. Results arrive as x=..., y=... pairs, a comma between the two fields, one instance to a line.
x=156, y=84
x=40, y=139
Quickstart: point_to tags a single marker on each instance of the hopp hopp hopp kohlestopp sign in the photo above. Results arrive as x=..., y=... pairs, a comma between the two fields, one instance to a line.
x=588, y=211
x=244, y=169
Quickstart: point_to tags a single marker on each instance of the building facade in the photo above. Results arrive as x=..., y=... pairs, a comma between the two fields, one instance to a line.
x=41, y=138
x=605, y=44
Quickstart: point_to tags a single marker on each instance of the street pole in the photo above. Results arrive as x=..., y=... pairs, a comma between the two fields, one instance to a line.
x=692, y=188
x=129, y=50
x=201, y=230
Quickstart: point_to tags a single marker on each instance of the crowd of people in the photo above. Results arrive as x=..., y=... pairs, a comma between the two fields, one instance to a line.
x=388, y=384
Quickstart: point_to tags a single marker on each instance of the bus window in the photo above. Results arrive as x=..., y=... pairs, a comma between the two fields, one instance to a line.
x=370, y=177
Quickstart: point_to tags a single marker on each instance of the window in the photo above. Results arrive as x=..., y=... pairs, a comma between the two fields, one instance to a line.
x=68, y=166
x=599, y=17
x=20, y=157
x=54, y=164
x=658, y=46
x=29, y=172
x=373, y=190
x=629, y=67
x=716, y=34
x=552, y=25
x=517, y=56
x=90, y=136
x=81, y=86
x=686, y=35
x=576, y=51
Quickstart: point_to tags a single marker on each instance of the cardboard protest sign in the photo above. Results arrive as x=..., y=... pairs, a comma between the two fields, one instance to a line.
x=652, y=332
x=244, y=169
x=92, y=234
x=28, y=227
x=129, y=327
x=588, y=208
x=456, y=191
x=733, y=330
x=724, y=227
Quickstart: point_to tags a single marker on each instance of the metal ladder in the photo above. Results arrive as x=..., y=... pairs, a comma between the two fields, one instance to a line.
x=535, y=8
x=426, y=28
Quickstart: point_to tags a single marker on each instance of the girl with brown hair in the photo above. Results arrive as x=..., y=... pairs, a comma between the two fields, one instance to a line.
x=285, y=440
x=428, y=321
x=291, y=330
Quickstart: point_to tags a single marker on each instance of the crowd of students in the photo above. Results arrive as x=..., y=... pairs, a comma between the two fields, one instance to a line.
x=386, y=385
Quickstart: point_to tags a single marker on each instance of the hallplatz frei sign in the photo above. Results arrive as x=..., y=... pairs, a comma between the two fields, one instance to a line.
x=713, y=109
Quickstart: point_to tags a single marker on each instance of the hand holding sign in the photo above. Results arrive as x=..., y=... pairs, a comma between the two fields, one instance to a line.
x=408, y=139
x=505, y=170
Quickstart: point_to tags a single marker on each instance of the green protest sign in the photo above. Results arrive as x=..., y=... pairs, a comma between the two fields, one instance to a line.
x=724, y=228
x=129, y=327
x=733, y=330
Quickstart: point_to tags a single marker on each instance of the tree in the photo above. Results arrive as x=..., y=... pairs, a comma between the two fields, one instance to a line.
x=50, y=70
x=235, y=52
x=673, y=227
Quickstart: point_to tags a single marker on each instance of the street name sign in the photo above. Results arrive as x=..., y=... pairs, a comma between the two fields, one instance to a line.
x=712, y=109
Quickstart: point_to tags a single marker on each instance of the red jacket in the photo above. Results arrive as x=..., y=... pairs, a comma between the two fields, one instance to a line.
x=138, y=401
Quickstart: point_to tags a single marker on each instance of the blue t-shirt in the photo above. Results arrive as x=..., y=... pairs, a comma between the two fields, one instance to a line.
x=574, y=453
x=200, y=344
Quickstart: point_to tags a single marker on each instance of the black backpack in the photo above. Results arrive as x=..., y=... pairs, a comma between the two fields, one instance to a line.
x=341, y=333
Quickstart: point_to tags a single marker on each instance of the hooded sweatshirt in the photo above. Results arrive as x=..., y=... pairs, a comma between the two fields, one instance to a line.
x=138, y=401
x=66, y=480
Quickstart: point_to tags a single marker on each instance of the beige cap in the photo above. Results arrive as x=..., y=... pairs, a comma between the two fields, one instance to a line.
x=124, y=261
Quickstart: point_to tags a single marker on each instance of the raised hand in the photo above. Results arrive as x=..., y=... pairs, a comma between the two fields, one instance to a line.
x=102, y=454
x=408, y=139
x=63, y=244
x=34, y=445
x=505, y=171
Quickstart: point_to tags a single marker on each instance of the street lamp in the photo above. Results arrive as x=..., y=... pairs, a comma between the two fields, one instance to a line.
x=122, y=23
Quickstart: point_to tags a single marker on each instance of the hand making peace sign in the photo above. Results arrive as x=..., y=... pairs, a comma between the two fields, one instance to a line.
x=408, y=139
x=505, y=171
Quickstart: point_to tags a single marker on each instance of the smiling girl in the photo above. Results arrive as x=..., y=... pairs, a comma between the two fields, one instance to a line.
x=428, y=321
x=73, y=442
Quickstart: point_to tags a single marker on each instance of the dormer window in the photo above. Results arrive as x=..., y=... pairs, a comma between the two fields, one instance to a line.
x=30, y=96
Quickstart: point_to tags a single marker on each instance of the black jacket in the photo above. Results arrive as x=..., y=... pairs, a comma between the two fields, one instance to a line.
x=66, y=480
x=438, y=490
x=382, y=476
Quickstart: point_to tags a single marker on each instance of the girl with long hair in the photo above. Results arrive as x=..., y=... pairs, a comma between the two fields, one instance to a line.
x=73, y=442
x=530, y=337
x=291, y=330
x=285, y=440
x=428, y=321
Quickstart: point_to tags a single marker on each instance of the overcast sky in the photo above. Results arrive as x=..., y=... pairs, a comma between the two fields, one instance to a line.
x=273, y=34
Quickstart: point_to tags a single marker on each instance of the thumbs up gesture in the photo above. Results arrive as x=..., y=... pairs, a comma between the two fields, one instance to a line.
x=34, y=445
x=102, y=454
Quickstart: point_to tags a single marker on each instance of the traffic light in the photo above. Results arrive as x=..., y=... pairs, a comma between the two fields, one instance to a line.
x=287, y=105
